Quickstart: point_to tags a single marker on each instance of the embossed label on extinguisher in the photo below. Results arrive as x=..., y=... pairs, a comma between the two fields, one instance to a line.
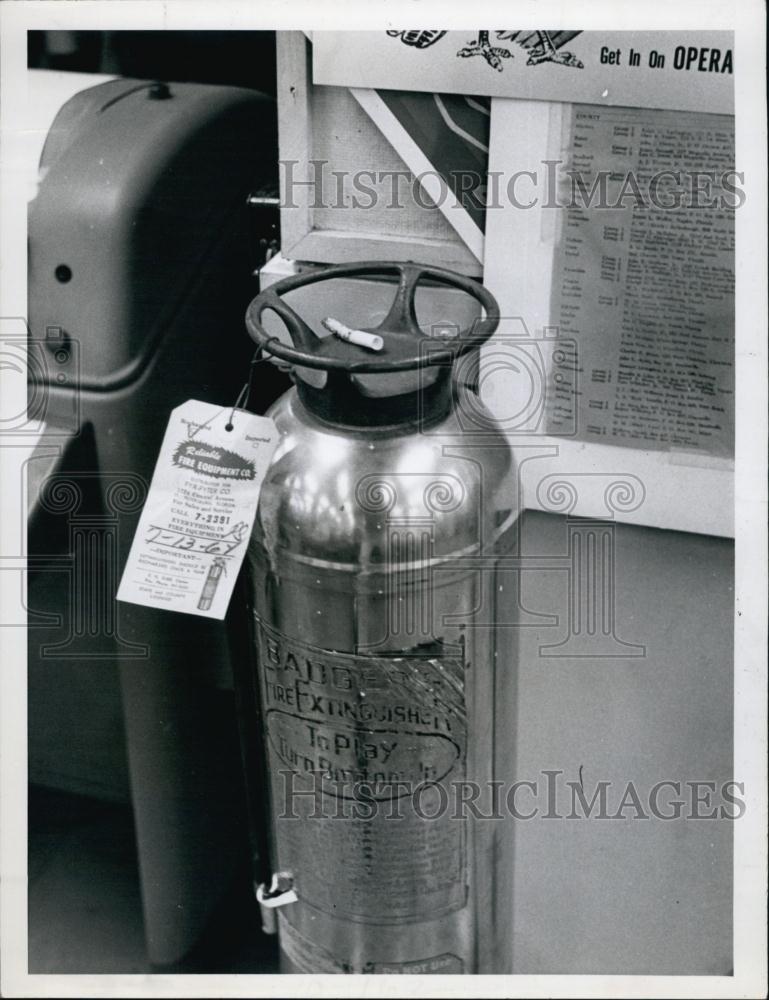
x=363, y=753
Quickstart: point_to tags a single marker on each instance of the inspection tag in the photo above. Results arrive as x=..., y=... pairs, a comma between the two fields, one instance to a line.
x=194, y=529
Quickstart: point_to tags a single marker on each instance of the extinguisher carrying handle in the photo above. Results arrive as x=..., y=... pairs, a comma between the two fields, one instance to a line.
x=405, y=346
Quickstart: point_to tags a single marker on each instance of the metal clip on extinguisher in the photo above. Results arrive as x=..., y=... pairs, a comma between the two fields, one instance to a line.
x=384, y=688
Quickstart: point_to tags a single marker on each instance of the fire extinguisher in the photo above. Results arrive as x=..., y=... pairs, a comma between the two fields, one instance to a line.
x=384, y=679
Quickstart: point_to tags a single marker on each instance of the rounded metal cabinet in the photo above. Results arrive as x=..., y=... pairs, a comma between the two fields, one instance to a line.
x=381, y=675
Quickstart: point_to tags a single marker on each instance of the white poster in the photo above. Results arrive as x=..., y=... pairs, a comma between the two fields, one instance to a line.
x=684, y=70
x=643, y=280
x=610, y=249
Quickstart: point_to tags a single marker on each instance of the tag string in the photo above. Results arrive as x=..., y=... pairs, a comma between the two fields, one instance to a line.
x=245, y=393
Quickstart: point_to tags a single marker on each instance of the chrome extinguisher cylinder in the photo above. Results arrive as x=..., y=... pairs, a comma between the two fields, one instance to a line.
x=384, y=679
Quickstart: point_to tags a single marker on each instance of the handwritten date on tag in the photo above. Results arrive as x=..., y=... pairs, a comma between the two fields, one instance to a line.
x=196, y=522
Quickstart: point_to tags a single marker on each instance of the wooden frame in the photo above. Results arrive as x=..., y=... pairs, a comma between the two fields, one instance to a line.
x=669, y=484
x=314, y=120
